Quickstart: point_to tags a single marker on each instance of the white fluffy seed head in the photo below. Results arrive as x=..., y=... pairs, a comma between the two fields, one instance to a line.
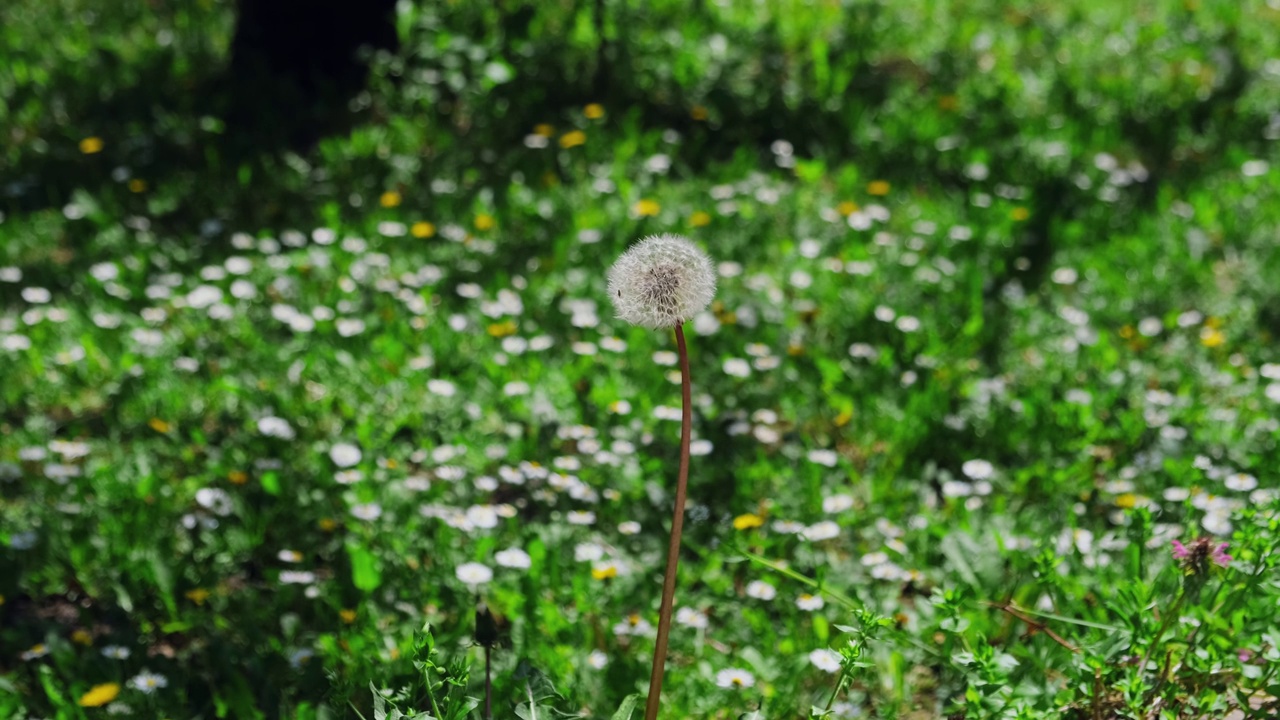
x=661, y=282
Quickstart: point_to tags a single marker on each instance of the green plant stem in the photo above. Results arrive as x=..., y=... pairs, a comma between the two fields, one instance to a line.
x=677, y=524
x=1169, y=617
x=435, y=709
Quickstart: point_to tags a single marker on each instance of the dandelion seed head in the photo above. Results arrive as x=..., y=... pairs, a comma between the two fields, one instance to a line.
x=661, y=281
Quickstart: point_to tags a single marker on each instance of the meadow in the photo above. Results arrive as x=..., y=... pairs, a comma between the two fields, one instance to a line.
x=986, y=410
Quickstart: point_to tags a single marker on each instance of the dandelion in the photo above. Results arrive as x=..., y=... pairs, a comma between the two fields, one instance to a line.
x=661, y=282
x=100, y=695
x=735, y=678
x=747, y=521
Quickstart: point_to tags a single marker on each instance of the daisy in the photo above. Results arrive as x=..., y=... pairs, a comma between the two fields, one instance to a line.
x=735, y=678
x=474, y=573
x=148, y=682
x=825, y=660
x=761, y=590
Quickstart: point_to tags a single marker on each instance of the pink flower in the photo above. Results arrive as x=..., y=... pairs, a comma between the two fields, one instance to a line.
x=1220, y=556
x=1195, y=557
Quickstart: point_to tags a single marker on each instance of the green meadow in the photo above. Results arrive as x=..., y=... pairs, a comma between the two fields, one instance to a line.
x=986, y=410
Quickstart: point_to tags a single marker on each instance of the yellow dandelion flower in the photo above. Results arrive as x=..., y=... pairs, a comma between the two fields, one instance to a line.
x=698, y=113
x=795, y=350
x=1127, y=501
x=544, y=130
x=1211, y=337
x=159, y=425
x=502, y=329
x=700, y=219
x=485, y=222
x=747, y=521
x=198, y=595
x=82, y=637
x=136, y=185
x=328, y=524
x=1019, y=214
x=606, y=572
x=422, y=230
x=238, y=477
x=878, y=188
x=573, y=138
x=646, y=208
x=348, y=616
x=594, y=111
x=847, y=208
x=100, y=695
x=390, y=199
x=91, y=145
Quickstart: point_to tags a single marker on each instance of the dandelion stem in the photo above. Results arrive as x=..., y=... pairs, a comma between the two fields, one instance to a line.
x=677, y=524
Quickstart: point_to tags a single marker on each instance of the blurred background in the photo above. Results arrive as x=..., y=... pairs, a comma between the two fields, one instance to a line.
x=302, y=314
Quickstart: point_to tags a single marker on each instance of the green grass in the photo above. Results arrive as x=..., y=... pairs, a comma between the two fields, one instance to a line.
x=996, y=324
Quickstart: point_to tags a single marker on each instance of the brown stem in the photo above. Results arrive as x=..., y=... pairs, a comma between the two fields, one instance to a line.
x=677, y=524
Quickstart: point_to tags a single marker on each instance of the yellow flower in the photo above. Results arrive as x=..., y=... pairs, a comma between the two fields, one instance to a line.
x=700, y=219
x=1127, y=501
x=847, y=208
x=605, y=572
x=198, y=595
x=484, y=222
x=348, y=616
x=1211, y=337
x=843, y=418
x=100, y=695
x=91, y=145
x=159, y=425
x=423, y=229
x=544, y=130
x=137, y=186
x=390, y=199
x=646, y=208
x=237, y=477
x=878, y=187
x=594, y=111
x=502, y=329
x=573, y=138
x=1019, y=214
x=82, y=637
x=328, y=524
x=747, y=521
x=698, y=113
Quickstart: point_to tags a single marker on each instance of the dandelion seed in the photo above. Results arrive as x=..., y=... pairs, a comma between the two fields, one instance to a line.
x=661, y=281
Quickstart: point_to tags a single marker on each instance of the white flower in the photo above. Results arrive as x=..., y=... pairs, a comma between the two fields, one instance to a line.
x=1242, y=482
x=977, y=469
x=825, y=660
x=272, y=426
x=216, y=501
x=473, y=573
x=761, y=590
x=629, y=527
x=116, y=652
x=810, y=602
x=689, y=617
x=661, y=281
x=597, y=659
x=297, y=577
x=735, y=678
x=837, y=503
x=513, y=558
x=345, y=454
x=824, y=530
x=367, y=511
x=148, y=682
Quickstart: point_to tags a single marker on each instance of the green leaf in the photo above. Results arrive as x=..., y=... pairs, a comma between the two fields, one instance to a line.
x=364, y=568
x=271, y=483
x=627, y=707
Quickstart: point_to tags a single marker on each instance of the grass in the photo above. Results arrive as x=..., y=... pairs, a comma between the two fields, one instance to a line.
x=996, y=324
